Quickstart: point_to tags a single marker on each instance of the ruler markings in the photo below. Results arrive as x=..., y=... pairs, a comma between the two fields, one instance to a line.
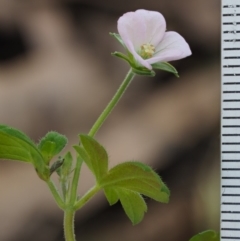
x=232, y=229
x=231, y=169
x=231, y=6
x=224, y=160
x=231, y=178
x=229, y=203
x=230, y=14
x=232, y=75
x=226, y=237
x=231, y=195
x=230, y=32
x=231, y=186
x=230, y=126
x=231, y=143
x=230, y=120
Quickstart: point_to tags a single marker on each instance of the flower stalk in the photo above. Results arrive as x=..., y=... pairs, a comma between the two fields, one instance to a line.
x=129, y=77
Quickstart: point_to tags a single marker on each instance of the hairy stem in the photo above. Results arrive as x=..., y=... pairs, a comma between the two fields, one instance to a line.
x=69, y=225
x=75, y=180
x=86, y=197
x=130, y=75
x=55, y=194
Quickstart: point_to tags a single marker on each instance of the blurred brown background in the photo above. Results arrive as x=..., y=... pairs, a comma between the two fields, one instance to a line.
x=57, y=73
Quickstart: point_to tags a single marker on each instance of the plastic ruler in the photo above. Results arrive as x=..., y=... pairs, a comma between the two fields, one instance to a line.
x=230, y=121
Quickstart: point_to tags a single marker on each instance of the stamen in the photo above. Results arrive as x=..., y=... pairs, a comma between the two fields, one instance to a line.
x=147, y=51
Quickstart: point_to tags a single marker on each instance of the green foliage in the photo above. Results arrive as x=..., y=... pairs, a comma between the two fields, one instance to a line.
x=51, y=144
x=165, y=67
x=208, y=235
x=94, y=155
x=137, y=177
x=125, y=182
x=133, y=204
x=15, y=145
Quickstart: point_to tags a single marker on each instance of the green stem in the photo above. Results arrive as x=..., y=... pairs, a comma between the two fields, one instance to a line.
x=112, y=103
x=86, y=197
x=55, y=194
x=69, y=225
x=76, y=176
x=69, y=212
x=71, y=207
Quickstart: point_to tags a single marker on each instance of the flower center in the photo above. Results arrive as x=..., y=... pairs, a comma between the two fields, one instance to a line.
x=147, y=51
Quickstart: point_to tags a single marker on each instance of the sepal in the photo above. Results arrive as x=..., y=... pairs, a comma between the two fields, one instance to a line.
x=165, y=67
x=118, y=38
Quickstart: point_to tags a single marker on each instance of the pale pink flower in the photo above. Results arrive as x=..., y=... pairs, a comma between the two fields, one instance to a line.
x=144, y=35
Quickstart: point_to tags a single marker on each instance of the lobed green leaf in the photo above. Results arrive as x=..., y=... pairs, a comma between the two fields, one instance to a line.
x=15, y=145
x=208, y=235
x=137, y=177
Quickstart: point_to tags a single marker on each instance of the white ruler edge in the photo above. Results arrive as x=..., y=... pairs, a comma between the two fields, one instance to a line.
x=230, y=121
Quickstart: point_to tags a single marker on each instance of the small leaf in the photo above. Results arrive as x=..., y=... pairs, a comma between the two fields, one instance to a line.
x=15, y=145
x=138, y=177
x=133, y=205
x=208, y=235
x=165, y=67
x=51, y=144
x=96, y=159
x=84, y=155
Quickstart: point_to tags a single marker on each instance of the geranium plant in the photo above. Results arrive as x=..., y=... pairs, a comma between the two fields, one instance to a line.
x=148, y=46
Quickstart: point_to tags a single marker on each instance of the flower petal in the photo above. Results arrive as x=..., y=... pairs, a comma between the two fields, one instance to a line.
x=155, y=26
x=141, y=27
x=172, y=47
